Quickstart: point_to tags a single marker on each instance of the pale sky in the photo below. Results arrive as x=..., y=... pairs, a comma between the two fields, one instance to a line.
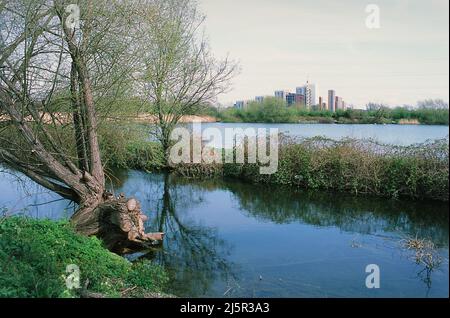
x=280, y=43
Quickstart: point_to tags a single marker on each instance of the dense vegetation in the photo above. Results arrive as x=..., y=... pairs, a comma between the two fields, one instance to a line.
x=273, y=110
x=125, y=145
x=357, y=167
x=354, y=166
x=34, y=255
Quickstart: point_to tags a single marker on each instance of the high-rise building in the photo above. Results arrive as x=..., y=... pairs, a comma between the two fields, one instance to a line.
x=280, y=94
x=290, y=99
x=301, y=90
x=339, y=103
x=311, y=96
x=310, y=93
x=295, y=99
x=332, y=100
x=300, y=100
x=320, y=102
x=259, y=99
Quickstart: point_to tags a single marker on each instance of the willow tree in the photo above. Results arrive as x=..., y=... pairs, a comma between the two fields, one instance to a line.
x=179, y=74
x=44, y=52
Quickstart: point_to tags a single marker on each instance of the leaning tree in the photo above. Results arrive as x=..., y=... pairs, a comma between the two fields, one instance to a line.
x=45, y=53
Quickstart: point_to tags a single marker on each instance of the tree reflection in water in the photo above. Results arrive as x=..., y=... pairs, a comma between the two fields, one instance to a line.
x=194, y=254
x=363, y=215
x=198, y=258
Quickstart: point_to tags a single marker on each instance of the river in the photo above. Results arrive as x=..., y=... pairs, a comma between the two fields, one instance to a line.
x=226, y=238
x=231, y=239
x=403, y=135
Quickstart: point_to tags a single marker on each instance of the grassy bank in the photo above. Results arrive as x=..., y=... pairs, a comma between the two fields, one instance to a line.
x=351, y=166
x=34, y=255
x=275, y=111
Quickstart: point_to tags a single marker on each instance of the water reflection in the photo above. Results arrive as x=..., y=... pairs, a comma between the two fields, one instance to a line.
x=207, y=252
x=227, y=238
x=21, y=196
x=349, y=213
x=192, y=252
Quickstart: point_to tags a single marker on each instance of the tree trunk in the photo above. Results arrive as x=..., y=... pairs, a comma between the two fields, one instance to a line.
x=78, y=121
x=119, y=222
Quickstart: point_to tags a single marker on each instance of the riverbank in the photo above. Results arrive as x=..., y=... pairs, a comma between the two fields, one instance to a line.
x=355, y=166
x=331, y=120
x=358, y=167
x=34, y=260
x=273, y=113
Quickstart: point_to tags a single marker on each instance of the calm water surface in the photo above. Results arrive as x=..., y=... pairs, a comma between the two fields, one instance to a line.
x=230, y=239
x=387, y=134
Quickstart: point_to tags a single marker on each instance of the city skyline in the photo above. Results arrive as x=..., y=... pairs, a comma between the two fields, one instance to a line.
x=304, y=96
x=403, y=61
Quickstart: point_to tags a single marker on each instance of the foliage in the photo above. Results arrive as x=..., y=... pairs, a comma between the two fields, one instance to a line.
x=273, y=110
x=179, y=75
x=125, y=145
x=122, y=144
x=353, y=166
x=432, y=104
x=34, y=255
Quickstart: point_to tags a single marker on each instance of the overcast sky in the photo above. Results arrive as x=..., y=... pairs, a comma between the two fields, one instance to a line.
x=280, y=43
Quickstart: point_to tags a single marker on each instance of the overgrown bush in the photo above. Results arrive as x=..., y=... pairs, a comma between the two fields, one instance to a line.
x=34, y=255
x=354, y=166
x=360, y=167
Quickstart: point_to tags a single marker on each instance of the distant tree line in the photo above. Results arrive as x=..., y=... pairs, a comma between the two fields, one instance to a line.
x=273, y=110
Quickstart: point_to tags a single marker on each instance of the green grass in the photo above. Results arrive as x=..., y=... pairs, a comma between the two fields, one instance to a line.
x=34, y=255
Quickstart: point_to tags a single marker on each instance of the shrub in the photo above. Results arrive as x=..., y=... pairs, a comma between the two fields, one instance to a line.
x=354, y=166
x=364, y=167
